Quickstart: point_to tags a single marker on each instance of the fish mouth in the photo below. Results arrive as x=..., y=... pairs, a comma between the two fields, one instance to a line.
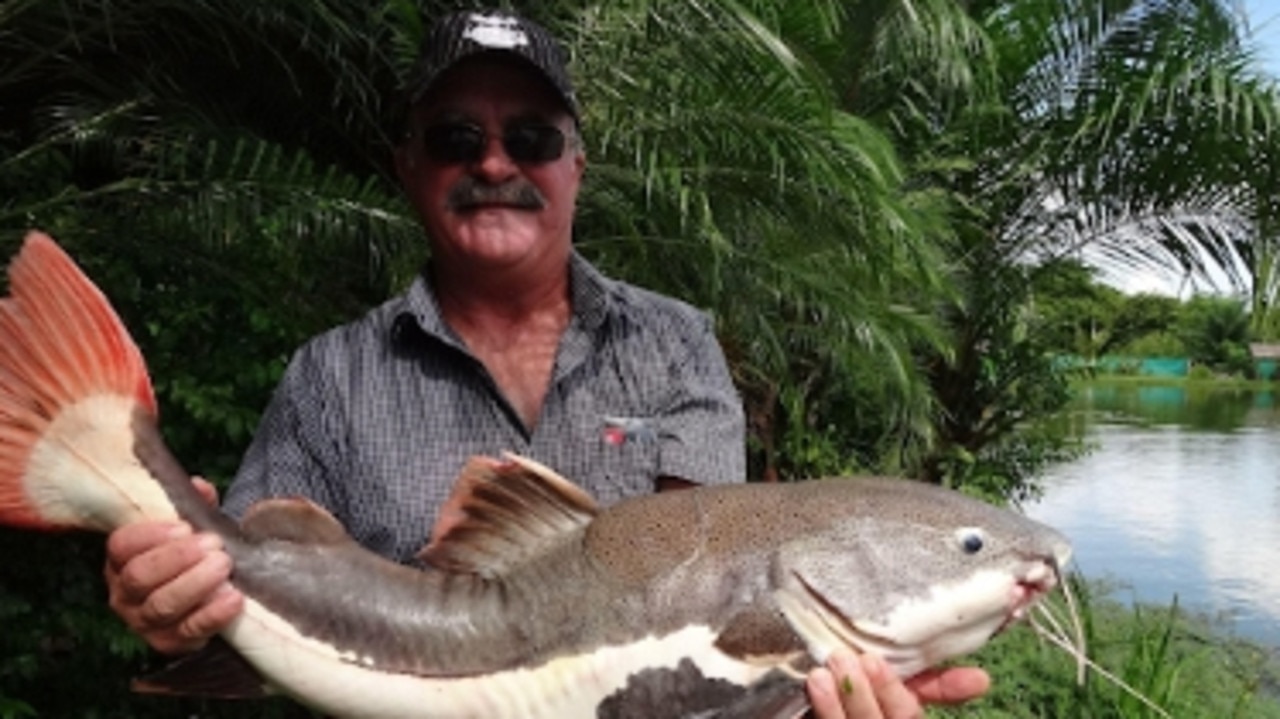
x=1038, y=582
x=934, y=629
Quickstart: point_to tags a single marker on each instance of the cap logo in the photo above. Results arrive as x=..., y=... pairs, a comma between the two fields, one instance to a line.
x=495, y=31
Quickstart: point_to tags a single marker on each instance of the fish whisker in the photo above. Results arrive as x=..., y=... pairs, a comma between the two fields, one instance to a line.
x=1073, y=611
x=1053, y=623
x=1078, y=652
x=1084, y=660
x=1076, y=638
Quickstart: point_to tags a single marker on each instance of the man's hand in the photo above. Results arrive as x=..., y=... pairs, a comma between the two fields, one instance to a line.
x=170, y=585
x=863, y=687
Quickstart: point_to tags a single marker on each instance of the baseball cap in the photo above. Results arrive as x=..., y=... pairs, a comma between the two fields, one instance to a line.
x=460, y=35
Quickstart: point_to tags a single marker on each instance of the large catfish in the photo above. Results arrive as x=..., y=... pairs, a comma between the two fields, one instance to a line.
x=539, y=603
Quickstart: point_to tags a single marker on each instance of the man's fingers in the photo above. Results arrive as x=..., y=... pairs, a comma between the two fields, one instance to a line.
x=206, y=490
x=864, y=687
x=950, y=686
x=184, y=593
x=194, y=631
x=217, y=612
x=895, y=700
x=131, y=541
x=156, y=567
x=824, y=696
x=169, y=584
x=841, y=690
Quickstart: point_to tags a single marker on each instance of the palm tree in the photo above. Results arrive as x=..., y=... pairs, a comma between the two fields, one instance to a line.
x=724, y=171
x=1124, y=130
x=218, y=165
x=714, y=148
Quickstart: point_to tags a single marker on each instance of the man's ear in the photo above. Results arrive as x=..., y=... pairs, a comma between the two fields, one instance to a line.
x=406, y=161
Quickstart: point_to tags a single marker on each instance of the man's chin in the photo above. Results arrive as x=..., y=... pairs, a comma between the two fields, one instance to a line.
x=495, y=244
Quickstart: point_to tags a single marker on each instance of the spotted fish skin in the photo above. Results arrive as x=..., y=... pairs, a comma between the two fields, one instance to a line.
x=703, y=602
x=671, y=600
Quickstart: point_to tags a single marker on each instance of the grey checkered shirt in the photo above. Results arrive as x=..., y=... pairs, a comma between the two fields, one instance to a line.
x=374, y=419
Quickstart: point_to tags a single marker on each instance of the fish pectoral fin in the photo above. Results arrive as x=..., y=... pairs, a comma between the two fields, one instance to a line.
x=215, y=672
x=758, y=635
x=293, y=519
x=503, y=512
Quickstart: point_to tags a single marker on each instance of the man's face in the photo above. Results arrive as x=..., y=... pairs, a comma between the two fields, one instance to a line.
x=487, y=207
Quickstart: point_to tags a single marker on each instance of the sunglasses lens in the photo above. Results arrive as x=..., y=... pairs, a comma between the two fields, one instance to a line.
x=534, y=143
x=456, y=142
x=453, y=143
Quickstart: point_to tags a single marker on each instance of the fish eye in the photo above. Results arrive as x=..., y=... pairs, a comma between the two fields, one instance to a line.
x=970, y=539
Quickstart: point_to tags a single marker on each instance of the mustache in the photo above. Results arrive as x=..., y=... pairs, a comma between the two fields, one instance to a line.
x=469, y=192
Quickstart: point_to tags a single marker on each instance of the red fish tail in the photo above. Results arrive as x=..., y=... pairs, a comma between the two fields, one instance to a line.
x=72, y=384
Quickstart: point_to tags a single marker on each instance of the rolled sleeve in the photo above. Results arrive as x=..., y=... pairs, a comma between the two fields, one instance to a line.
x=293, y=453
x=703, y=427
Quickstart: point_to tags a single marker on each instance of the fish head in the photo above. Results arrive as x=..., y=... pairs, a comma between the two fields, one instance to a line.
x=914, y=573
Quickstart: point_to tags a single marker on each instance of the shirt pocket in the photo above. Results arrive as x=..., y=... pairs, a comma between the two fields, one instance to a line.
x=627, y=455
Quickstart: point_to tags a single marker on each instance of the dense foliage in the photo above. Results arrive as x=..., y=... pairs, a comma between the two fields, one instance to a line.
x=862, y=193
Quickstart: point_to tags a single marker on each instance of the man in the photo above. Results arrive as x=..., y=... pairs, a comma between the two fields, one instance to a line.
x=510, y=341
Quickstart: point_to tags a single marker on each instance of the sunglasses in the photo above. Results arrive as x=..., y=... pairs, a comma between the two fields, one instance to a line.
x=454, y=143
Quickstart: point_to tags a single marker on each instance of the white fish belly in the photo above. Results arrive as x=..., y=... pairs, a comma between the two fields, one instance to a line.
x=346, y=685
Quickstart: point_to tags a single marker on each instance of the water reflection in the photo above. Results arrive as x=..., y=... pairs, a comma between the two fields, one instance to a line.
x=1181, y=496
x=1197, y=407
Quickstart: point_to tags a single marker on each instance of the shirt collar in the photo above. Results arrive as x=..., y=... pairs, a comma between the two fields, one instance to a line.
x=590, y=291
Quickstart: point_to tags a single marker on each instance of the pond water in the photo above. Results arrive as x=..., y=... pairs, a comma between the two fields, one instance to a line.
x=1179, y=497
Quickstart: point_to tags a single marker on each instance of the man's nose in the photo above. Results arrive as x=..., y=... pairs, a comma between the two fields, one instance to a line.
x=494, y=164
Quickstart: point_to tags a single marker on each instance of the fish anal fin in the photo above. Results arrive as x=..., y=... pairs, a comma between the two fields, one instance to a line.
x=292, y=519
x=502, y=512
x=215, y=672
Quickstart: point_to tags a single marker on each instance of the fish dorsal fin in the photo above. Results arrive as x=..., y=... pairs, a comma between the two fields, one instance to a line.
x=502, y=512
x=292, y=519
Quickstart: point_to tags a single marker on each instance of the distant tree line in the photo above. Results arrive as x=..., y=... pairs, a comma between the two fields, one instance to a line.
x=1078, y=315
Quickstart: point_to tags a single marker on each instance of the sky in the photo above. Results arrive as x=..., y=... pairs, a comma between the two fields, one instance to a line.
x=1264, y=21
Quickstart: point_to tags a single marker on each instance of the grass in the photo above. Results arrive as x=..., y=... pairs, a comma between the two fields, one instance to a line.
x=1183, y=662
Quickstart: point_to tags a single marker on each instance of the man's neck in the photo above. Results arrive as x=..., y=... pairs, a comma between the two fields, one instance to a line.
x=512, y=322
x=497, y=297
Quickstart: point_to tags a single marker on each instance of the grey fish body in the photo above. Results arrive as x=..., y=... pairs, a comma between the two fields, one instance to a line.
x=539, y=603
x=689, y=585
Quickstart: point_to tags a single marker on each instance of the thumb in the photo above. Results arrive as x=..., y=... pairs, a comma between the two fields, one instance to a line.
x=206, y=490
x=950, y=686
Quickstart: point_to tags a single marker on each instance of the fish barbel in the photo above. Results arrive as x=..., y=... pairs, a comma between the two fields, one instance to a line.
x=538, y=603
